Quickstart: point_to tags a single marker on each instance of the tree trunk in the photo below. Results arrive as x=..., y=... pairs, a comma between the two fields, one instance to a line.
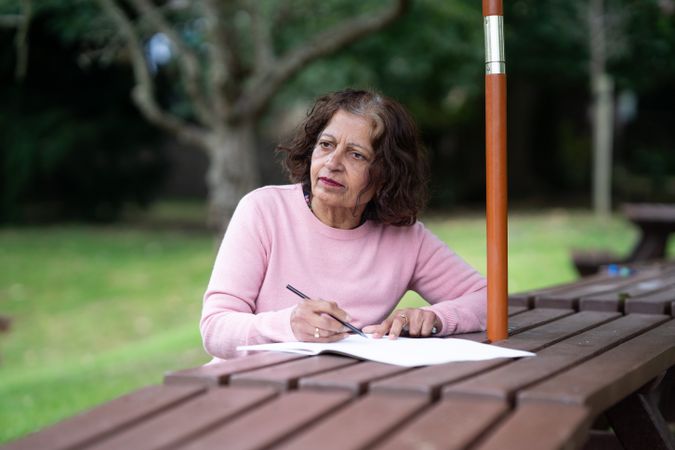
x=603, y=110
x=233, y=171
x=603, y=131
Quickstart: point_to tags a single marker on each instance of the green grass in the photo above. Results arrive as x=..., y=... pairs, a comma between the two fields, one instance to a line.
x=98, y=312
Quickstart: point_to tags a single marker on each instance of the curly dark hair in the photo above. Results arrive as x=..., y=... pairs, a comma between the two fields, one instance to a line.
x=399, y=169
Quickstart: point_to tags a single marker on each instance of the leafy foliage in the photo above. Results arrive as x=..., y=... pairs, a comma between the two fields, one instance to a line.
x=71, y=143
x=431, y=59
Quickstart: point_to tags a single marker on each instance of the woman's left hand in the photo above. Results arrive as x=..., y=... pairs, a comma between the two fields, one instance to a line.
x=417, y=322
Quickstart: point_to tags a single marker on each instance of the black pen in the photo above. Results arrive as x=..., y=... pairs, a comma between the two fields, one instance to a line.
x=347, y=324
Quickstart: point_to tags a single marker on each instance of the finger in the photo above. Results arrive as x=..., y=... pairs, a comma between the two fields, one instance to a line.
x=333, y=309
x=428, y=323
x=314, y=312
x=330, y=323
x=319, y=335
x=397, y=326
x=416, y=321
x=335, y=337
x=378, y=330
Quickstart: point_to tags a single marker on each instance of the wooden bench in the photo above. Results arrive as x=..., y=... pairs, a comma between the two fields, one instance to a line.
x=655, y=222
x=592, y=363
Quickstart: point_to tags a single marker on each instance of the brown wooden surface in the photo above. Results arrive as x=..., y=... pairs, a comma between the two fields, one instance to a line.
x=190, y=419
x=529, y=319
x=615, y=300
x=566, y=326
x=656, y=223
x=449, y=424
x=286, y=376
x=541, y=426
x=219, y=373
x=526, y=298
x=429, y=381
x=569, y=298
x=108, y=418
x=659, y=302
x=354, y=378
x=588, y=363
x=272, y=422
x=361, y=424
x=505, y=381
x=603, y=381
x=513, y=310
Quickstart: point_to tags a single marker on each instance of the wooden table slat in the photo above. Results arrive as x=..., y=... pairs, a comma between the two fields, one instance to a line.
x=525, y=319
x=616, y=300
x=570, y=298
x=286, y=376
x=602, y=381
x=505, y=381
x=656, y=303
x=540, y=426
x=358, y=425
x=449, y=424
x=187, y=420
x=354, y=378
x=272, y=422
x=219, y=373
x=526, y=298
x=513, y=310
x=552, y=332
x=535, y=318
x=429, y=380
x=107, y=418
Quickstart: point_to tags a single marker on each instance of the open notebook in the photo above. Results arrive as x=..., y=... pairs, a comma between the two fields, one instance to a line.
x=407, y=352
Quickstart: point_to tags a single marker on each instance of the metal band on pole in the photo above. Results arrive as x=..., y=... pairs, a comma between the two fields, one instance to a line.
x=496, y=187
x=495, y=61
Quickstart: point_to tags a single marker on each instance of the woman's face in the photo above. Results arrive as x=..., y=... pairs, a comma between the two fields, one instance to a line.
x=340, y=162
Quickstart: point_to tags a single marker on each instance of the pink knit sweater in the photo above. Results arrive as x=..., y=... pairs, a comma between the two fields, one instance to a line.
x=274, y=239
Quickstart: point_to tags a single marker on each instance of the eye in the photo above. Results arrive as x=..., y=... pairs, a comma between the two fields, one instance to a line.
x=325, y=144
x=358, y=156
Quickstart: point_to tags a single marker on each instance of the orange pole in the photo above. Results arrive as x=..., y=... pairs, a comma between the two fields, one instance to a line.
x=496, y=187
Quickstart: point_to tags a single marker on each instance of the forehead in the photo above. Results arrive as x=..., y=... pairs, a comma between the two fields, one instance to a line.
x=350, y=126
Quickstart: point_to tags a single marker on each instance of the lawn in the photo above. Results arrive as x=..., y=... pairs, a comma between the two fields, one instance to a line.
x=100, y=311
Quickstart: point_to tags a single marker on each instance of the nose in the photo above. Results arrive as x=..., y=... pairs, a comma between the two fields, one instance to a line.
x=335, y=159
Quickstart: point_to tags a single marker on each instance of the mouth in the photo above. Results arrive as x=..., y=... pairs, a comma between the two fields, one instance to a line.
x=330, y=182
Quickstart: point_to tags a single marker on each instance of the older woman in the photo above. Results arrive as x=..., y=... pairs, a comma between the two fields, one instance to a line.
x=346, y=233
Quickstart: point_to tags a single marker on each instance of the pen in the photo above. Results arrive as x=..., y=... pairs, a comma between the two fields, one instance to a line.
x=347, y=324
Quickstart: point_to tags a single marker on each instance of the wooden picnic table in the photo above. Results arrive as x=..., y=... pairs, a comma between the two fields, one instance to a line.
x=605, y=357
x=655, y=222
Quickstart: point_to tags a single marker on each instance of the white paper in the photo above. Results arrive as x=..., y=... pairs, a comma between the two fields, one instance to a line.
x=407, y=352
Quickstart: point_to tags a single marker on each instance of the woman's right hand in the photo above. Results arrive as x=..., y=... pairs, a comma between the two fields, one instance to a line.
x=311, y=322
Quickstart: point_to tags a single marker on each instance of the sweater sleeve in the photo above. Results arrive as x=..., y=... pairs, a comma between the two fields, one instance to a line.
x=229, y=315
x=457, y=292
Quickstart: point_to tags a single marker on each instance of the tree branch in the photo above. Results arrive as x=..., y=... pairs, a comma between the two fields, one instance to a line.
x=260, y=91
x=264, y=51
x=187, y=60
x=22, y=40
x=143, y=93
x=218, y=73
x=10, y=20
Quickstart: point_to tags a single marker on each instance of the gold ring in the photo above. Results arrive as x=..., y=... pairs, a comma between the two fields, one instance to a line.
x=404, y=318
x=316, y=333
